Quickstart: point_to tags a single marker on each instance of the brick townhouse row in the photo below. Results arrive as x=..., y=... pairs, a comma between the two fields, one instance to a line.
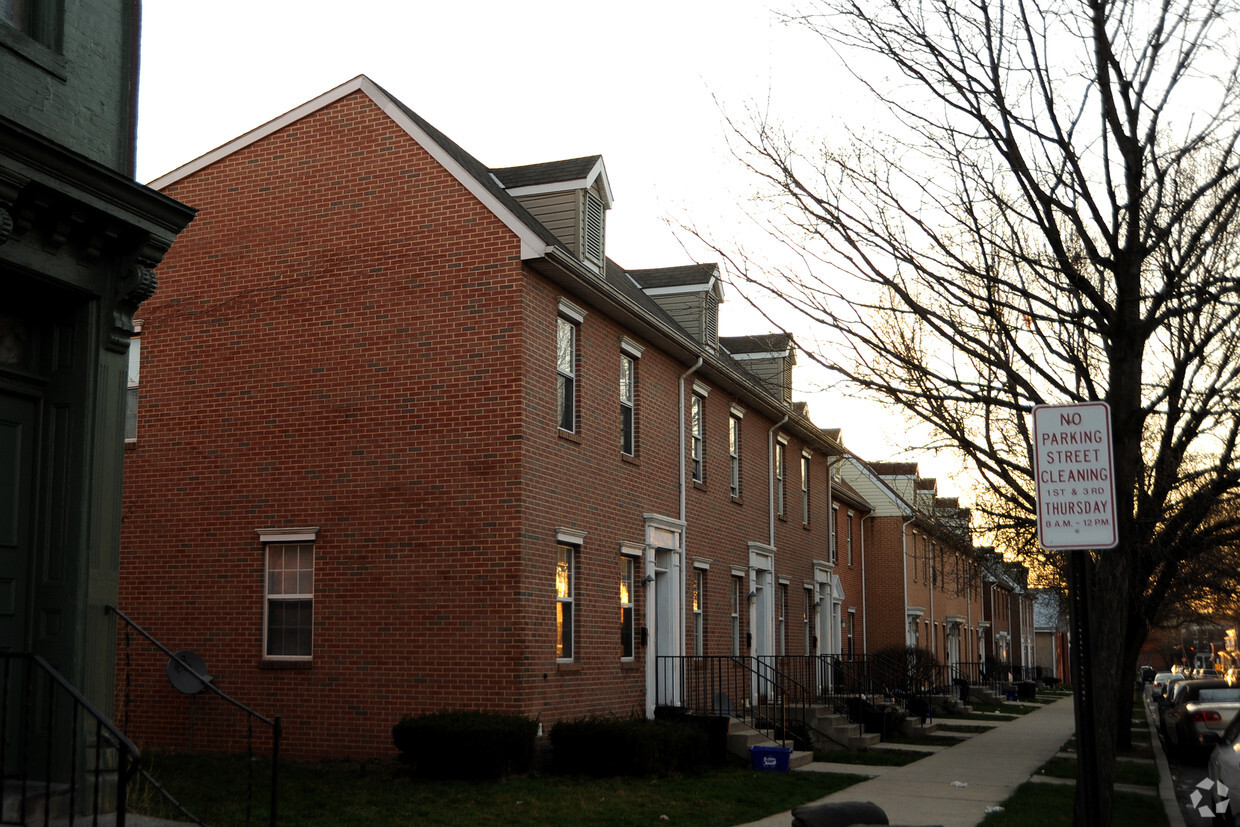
x=404, y=438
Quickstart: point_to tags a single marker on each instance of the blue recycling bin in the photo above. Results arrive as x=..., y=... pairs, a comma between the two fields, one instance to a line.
x=770, y=759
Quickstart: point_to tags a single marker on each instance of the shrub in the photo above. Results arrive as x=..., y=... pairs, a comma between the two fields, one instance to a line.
x=609, y=746
x=467, y=744
x=917, y=670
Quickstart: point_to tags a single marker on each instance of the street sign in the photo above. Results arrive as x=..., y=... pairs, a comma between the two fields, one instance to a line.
x=1073, y=466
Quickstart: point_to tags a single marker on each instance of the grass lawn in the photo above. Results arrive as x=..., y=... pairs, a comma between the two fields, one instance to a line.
x=969, y=728
x=1050, y=805
x=873, y=757
x=1126, y=772
x=378, y=794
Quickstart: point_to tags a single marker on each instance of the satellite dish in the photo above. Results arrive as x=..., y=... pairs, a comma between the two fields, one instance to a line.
x=181, y=672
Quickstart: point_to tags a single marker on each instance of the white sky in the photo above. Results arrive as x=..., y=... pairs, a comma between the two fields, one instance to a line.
x=645, y=84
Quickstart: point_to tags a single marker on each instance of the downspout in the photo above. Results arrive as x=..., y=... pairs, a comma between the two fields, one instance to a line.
x=865, y=615
x=770, y=452
x=934, y=584
x=904, y=568
x=681, y=485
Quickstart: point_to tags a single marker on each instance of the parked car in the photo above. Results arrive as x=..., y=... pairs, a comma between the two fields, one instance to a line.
x=1163, y=697
x=1147, y=674
x=1202, y=722
x=1173, y=712
x=1160, y=681
x=1223, y=769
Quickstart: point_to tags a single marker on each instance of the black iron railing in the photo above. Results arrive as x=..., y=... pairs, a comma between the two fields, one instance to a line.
x=208, y=683
x=62, y=757
x=751, y=689
x=777, y=692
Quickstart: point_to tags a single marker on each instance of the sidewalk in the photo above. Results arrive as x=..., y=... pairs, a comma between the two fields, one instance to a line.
x=954, y=787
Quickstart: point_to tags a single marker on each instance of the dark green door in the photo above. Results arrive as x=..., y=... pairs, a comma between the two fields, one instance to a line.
x=17, y=451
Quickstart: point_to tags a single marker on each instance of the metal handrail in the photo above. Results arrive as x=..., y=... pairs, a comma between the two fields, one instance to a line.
x=209, y=683
x=105, y=732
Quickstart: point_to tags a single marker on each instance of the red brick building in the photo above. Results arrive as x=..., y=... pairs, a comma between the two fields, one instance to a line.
x=408, y=440
x=924, y=586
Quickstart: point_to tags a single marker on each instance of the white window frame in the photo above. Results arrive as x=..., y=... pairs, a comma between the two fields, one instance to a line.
x=738, y=584
x=734, y=450
x=698, y=600
x=628, y=405
x=835, y=533
x=565, y=601
x=271, y=540
x=697, y=430
x=805, y=489
x=570, y=540
x=628, y=573
x=781, y=470
x=851, y=514
x=132, y=381
x=569, y=319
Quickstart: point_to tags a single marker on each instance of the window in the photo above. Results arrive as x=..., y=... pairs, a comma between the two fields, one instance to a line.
x=566, y=365
x=850, y=538
x=782, y=608
x=807, y=620
x=780, y=469
x=626, y=607
x=805, y=490
x=734, y=452
x=699, y=612
x=39, y=20
x=737, y=584
x=565, y=575
x=852, y=628
x=289, y=623
x=131, y=395
x=697, y=429
x=835, y=533
x=628, y=381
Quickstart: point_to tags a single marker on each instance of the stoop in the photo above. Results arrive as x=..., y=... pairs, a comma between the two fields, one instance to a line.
x=741, y=736
x=831, y=730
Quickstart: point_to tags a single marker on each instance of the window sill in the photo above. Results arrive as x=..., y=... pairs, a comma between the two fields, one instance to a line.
x=270, y=663
x=700, y=485
x=567, y=667
x=569, y=436
x=630, y=459
x=738, y=500
x=35, y=52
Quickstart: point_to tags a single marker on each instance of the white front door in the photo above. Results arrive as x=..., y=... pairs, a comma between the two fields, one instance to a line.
x=664, y=615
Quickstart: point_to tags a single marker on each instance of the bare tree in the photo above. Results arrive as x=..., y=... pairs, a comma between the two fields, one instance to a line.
x=1051, y=218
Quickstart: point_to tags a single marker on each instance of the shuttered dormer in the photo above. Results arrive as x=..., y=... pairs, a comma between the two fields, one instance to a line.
x=769, y=357
x=690, y=294
x=570, y=198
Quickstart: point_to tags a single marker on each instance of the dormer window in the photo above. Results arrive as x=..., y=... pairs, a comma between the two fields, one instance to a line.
x=570, y=198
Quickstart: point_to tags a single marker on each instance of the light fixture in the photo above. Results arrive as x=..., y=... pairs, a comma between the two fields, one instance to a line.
x=753, y=597
x=649, y=579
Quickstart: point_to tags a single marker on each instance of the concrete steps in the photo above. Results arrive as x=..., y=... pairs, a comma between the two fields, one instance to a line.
x=742, y=738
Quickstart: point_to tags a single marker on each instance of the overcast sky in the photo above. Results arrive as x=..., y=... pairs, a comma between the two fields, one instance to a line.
x=645, y=84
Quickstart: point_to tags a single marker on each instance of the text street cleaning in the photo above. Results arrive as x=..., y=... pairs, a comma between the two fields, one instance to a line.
x=1076, y=490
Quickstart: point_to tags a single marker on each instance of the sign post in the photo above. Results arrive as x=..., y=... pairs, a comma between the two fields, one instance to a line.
x=1074, y=472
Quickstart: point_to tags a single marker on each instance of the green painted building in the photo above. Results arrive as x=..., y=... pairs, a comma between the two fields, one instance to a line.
x=78, y=242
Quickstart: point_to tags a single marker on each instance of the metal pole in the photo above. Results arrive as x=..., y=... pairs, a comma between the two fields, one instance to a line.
x=1088, y=800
